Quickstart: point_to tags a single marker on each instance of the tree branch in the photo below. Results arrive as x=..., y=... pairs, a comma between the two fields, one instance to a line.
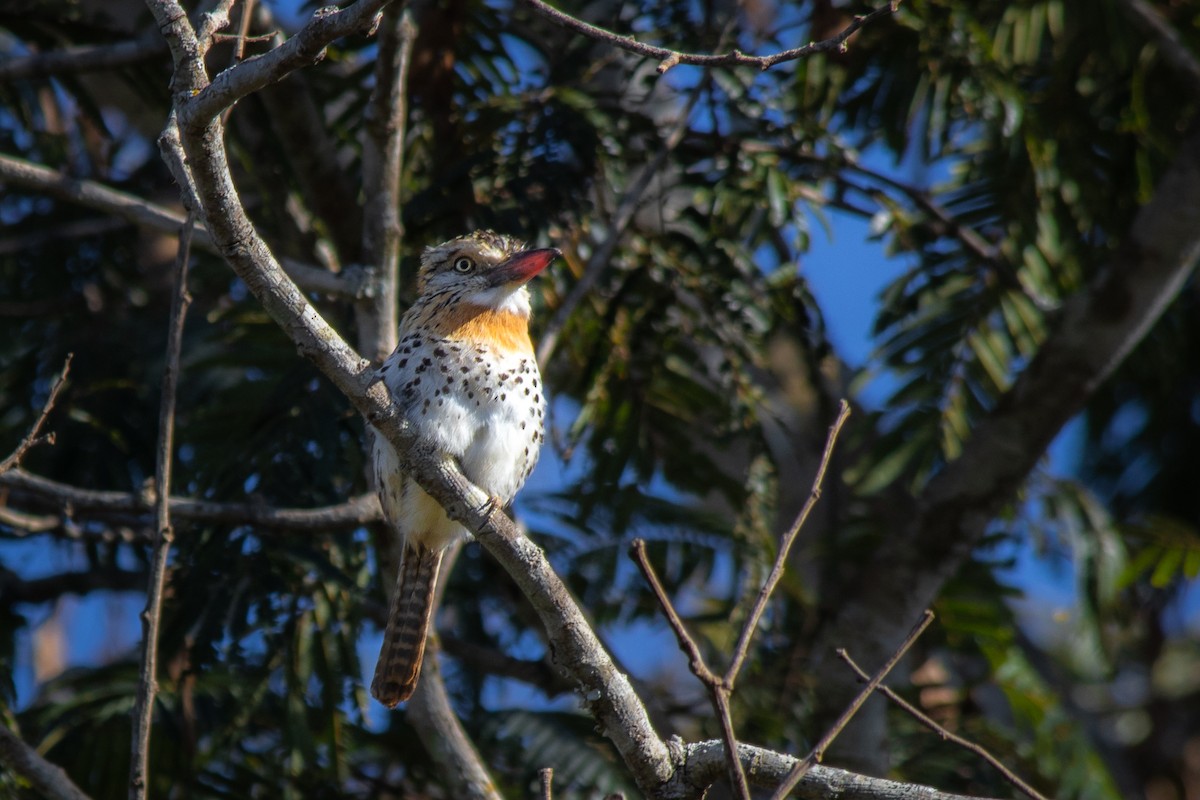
x=143, y=709
x=818, y=751
x=47, y=779
x=669, y=58
x=383, y=163
x=702, y=763
x=89, y=58
x=785, y=546
x=946, y=735
x=575, y=649
x=361, y=510
x=145, y=214
x=33, y=439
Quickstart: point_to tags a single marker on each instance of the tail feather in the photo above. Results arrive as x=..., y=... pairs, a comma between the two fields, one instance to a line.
x=399, y=663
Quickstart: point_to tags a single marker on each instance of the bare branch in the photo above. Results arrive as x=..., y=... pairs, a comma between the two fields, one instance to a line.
x=547, y=778
x=718, y=690
x=48, y=779
x=925, y=720
x=145, y=214
x=431, y=714
x=819, y=749
x=785, y=545
x=702, y=763
x=91, y=58
x=33, y=438
x=669, y=58
x=576, y=651
x=361, y=510
x=383, y=164
x=306, y=47
x=143, y=710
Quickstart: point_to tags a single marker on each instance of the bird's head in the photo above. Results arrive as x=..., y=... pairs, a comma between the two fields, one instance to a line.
x=483, y=268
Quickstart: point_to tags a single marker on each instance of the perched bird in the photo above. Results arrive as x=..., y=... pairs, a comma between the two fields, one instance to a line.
x=466, y=376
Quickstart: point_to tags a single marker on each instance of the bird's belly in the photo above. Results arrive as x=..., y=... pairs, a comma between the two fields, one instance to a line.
x=503, y=452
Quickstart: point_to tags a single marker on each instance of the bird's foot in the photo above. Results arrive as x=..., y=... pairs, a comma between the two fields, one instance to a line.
x=493, y=503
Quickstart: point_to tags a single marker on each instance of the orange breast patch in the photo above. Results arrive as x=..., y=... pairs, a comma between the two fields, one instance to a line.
x=504, y=331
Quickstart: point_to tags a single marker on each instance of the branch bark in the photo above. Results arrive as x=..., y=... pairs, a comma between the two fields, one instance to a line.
x=47, y=779
x=73, y=501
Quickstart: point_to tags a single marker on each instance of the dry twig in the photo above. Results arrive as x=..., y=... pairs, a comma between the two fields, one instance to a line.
x=818, y=751
x=785, y=546
x=669, y=58
x=925, y=720
x=34, y=437
x=547, y=777
x=143, y=712
x=721, y=687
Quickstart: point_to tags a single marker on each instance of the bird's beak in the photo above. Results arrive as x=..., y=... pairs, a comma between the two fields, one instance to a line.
x=523, y=266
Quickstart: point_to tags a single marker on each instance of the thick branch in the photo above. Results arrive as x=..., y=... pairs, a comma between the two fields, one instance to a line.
x=383, y=164
x=47, y=779
x=703, y=763
x=306, y=47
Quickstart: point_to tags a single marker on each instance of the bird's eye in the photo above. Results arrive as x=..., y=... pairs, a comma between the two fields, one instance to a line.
x=463, y=264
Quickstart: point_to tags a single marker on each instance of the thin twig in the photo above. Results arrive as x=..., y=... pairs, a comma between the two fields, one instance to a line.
x=669, y=58
x=718, y=690
x=637, y=551
x=132, y=508
x=547, y=776
x=785, y=545
x=929, y=723
x=152, y=616
x=34, y=437
x=818, y=752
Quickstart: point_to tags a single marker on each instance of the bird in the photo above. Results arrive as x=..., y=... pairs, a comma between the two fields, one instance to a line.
x=465, y=375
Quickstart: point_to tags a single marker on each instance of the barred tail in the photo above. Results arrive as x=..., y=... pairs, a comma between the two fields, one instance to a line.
x=399, y=663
